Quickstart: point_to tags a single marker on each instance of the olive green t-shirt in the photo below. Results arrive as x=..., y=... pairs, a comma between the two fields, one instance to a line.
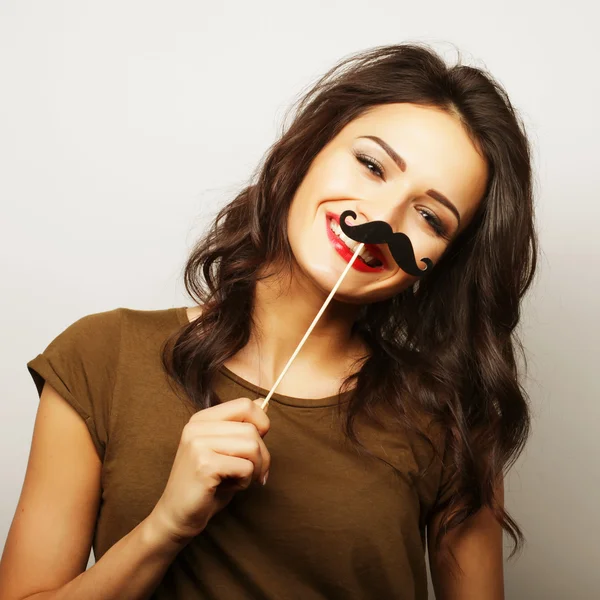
x=330, y=523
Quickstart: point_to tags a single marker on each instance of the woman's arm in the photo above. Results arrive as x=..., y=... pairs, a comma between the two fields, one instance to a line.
x=49, y=541
x=477, y=546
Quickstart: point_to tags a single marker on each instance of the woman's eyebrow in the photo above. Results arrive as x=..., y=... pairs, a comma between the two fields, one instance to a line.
x=402, y=166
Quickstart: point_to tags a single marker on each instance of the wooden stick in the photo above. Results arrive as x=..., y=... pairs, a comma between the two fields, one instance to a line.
x=312, y=325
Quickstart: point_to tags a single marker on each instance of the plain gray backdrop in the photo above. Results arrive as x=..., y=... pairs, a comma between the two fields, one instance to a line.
x=123, y=124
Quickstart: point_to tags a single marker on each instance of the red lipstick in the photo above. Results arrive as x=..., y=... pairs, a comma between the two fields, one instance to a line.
x=359, y=264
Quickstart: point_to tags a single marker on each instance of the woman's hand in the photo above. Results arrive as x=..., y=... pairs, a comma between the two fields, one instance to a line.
x=221, y=451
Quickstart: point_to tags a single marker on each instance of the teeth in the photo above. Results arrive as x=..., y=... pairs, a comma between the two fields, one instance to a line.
x=352, y=244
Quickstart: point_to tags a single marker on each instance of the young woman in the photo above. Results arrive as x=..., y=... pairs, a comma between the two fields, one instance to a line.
x=394, y=426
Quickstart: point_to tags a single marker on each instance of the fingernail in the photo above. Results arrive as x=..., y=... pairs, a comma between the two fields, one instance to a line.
x=264, y=481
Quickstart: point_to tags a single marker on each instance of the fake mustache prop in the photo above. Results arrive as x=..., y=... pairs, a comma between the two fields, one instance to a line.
x=373, y=232
x=380, y=232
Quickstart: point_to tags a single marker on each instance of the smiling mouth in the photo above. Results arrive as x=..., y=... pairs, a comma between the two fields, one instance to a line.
x=369, y=255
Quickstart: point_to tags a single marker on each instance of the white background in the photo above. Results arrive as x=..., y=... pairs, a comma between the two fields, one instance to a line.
x=123, y=124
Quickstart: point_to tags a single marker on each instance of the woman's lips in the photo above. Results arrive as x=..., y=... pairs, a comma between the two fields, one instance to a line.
x=359, y=264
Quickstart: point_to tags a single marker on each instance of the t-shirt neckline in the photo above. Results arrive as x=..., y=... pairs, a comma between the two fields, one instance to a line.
x=181, y=314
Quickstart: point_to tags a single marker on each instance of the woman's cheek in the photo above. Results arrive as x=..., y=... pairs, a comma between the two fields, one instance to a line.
x=336, y=180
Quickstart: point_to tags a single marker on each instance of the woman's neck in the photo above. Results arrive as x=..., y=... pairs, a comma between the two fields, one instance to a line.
x=283, y=310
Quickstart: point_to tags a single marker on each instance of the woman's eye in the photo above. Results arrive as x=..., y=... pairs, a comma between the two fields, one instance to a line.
x=371, y=164
x=434, y=222
x=376, y=168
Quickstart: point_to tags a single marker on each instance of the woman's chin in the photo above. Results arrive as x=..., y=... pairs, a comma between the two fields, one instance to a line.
x=323, y=278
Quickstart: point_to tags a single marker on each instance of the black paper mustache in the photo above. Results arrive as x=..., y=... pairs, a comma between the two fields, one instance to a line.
x=380, y=232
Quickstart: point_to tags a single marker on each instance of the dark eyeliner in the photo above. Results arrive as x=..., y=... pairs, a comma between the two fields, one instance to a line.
x=367, y=160
x=435, y=223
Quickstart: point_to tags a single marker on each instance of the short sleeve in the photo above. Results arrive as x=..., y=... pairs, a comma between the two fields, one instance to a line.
x=81, y=364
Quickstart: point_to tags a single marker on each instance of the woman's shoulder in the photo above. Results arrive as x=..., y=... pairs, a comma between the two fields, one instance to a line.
x=89, y=336
x=87, y=357
x=80, y=363
x=95, y=341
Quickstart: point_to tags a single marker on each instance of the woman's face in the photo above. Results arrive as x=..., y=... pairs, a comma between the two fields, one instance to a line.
x=435, y=160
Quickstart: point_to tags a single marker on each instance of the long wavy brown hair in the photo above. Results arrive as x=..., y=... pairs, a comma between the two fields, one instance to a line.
x=444, y=347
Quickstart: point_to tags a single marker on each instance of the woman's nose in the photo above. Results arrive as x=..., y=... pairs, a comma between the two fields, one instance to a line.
x=391, y=210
